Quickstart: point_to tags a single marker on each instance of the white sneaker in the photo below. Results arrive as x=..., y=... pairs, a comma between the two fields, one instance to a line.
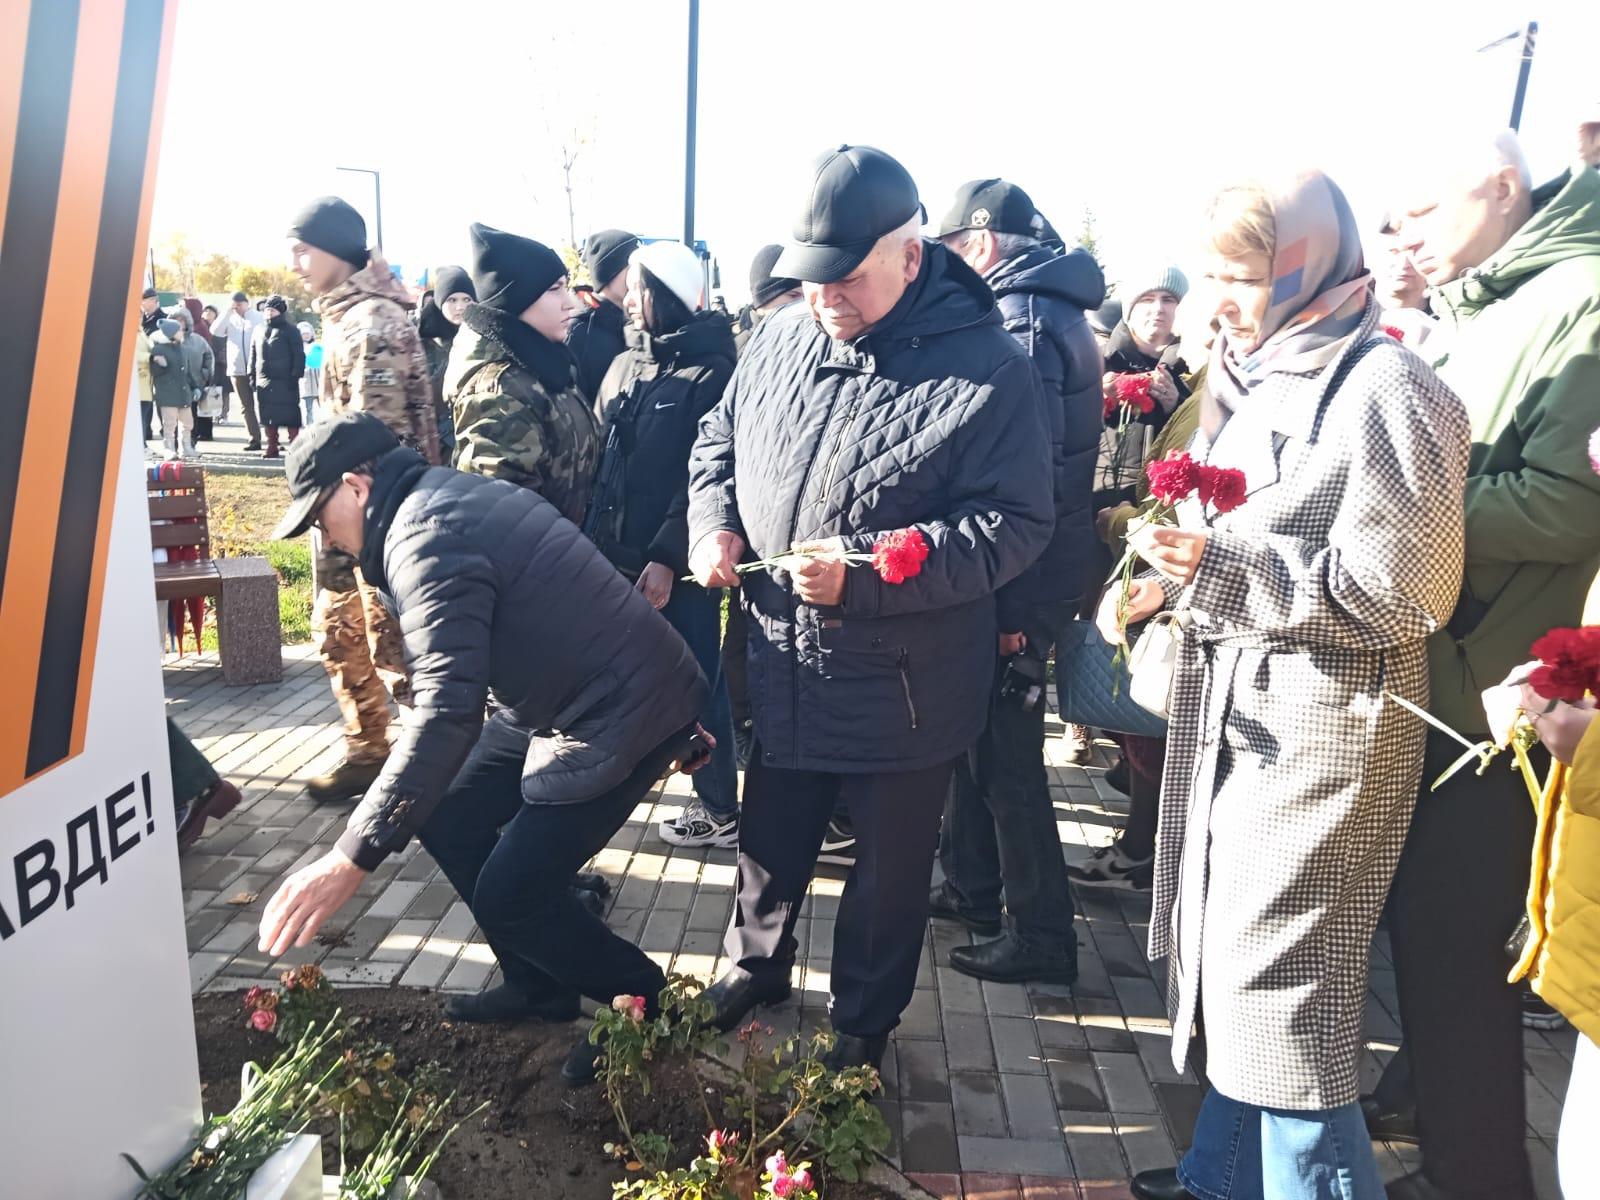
x=1109, y=867
x=694, y=826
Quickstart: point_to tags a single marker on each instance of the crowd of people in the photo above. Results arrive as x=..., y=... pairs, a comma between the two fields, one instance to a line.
x=533, y=505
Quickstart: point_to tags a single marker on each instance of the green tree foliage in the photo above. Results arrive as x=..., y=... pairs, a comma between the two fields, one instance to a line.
x=1088, y=238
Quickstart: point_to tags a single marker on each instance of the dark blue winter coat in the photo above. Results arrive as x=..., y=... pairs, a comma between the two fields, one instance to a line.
x=1042, y=297
x=932, y=420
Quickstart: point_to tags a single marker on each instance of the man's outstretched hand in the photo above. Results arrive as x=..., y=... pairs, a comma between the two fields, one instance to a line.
x=306, y=900
x=714, y=557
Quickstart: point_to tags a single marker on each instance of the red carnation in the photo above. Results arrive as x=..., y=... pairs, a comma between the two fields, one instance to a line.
x=1569, y=664
x=1134, y=391
x=1173, y=478
x=898, y=554
x=1395, y=332
x=1222, y=487
x=1110, y=407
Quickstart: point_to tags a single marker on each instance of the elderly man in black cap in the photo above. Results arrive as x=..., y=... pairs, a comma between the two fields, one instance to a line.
x=892, y=401
x=596, y=698
x=595, y=336
x=999, y=822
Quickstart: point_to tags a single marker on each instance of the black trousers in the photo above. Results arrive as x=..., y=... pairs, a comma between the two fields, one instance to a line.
x=999, y=822
x=513, y=862
x=883, y=914
x=1458, y=894
x=735, y=663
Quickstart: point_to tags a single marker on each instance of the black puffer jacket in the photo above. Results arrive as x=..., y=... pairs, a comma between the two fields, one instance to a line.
x=595, y=339
x=1042, y=297
x=277, y=360
x=495, y=590
x=651, y=404
x=932, y=420
x=1123, y=357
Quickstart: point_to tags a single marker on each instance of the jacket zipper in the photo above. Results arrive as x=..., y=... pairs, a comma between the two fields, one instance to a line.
x=905, y=684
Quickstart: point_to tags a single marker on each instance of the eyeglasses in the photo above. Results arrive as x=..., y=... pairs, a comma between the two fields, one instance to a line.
x=322, y=503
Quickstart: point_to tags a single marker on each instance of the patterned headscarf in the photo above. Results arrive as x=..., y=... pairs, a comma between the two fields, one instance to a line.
x=1319, y=293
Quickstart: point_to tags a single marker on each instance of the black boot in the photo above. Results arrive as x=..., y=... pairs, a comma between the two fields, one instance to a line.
x=851, y=1051
x=737, y=992
x=1009, y=959
x=506, y=1003
x=944, y=904
x=593, y=901
x=582, y=1064
x=1160, y=1185
x=592, y=881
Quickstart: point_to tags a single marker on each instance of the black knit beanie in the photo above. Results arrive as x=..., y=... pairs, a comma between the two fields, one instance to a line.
x=511, y=272
x=605, y=254
x=764, y=286
x=447, y=281
x=330, y=224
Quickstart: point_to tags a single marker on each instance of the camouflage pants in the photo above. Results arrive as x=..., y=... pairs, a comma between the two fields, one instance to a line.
x=360, y=647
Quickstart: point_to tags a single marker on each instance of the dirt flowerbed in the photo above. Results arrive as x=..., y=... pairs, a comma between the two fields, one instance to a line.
x=537, y=1140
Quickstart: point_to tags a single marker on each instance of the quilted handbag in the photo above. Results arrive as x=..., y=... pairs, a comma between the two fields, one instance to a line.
x=1092, y=691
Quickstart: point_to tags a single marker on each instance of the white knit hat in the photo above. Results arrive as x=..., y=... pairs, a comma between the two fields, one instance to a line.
x=677, y=266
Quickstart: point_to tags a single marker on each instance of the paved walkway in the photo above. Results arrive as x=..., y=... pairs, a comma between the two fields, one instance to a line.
x=994, y=1092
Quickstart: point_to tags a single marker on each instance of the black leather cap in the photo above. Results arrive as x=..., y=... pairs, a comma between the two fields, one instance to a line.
x=320, y=456
x=857, y=195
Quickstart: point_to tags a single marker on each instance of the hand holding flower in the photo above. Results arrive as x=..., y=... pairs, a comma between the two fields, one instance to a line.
x=819, y=581
x=1174, y=553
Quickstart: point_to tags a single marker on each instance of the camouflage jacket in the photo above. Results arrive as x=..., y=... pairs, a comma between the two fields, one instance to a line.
x=373, y=360
x=518, y=412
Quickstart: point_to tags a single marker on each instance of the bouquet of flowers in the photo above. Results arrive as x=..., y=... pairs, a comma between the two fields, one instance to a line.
x=1173, y=480
x=1128, y=400
x=896, y=556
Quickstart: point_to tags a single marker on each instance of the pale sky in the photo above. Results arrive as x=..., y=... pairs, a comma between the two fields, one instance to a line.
x=1136, y=110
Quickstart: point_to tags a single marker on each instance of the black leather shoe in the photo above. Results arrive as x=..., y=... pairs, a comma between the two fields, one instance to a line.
x=1160, y=1185
x=944, y=904
x=592, y=881
x=737, y=992
x=506, y=1003
x=593, y=901
x=582, y=1064
x=851, y=1051
x=1011, y=960
x=1389, y=1125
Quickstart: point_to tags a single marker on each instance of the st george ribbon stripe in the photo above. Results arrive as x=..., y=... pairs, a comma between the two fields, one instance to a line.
x=32, y=193
x=95, y=433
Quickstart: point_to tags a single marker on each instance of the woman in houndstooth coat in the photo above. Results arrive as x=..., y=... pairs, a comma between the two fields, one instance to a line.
x=1289, y=779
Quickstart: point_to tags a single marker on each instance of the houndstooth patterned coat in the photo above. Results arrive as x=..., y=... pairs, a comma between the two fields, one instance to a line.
x=1289, y=780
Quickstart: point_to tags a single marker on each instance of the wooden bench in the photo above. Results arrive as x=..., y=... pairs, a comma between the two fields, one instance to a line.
x=244, y=590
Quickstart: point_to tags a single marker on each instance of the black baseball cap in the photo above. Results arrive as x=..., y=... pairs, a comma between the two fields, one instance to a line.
x=857, y=195
x=320, y=456
x=995, y=205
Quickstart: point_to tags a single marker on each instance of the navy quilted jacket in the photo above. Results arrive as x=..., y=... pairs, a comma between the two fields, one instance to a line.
x=494, y=589
x=931, y=419
x=1042, y=298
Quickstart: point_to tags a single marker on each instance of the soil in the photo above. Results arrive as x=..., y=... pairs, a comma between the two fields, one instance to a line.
x=537, y=1140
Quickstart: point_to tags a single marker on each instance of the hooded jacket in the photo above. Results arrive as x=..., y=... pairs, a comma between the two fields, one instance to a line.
x=651, y=405
x=372, y=358
x=930, y=420
x=169, y=373
x=1519, y=342
x=595, y=339
x=277, y=360
x=518, y=413
x=497, y=594
x=1042, y=297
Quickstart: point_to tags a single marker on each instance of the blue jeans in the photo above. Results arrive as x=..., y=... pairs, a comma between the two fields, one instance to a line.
x=1242, y=1152
x=697, y=616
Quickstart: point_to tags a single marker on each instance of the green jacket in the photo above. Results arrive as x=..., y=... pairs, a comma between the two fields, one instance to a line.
x=1520, y=344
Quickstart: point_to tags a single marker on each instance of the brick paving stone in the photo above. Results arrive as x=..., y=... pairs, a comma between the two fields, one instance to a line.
x=941, y=1187
x=457, y=923
x=395, y=899
x=921, y=1017
x=967, y=1045
x=958, y=993
x=924, y=1077
x=1092, y=1142
x=1122, y=1079
x=1006, y=999
x=1043, y=1187
x=434, y=959
x=1016, y=1046
x=1180, y=1102
x=711, y=909
x=234, y=936
x=204, y=965
x=928, y=1138
x=976, y=1098
x=978, y=1185
x=1030, y=1106
x=433, y=901
x=1075, y=1081
x=402, y=941
x=1145, y=1143
x=365, y=974
x=996, y=1153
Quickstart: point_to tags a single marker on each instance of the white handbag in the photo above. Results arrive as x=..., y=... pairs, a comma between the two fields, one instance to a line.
x=1153, y=661
x=210, y=403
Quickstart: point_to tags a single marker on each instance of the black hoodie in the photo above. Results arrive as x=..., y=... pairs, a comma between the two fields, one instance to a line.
x=650, y=405
x=930, y=420
x=1042, y=297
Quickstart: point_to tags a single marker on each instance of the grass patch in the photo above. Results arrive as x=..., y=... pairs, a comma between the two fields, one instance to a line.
x=243, y=509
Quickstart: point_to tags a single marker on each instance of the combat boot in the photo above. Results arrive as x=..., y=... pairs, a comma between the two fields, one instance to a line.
x=348, y=781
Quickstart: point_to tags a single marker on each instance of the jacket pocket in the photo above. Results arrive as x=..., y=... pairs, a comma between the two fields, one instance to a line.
x=905, y=684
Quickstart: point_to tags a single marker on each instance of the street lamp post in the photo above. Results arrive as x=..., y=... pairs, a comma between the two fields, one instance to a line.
x=377, y=193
